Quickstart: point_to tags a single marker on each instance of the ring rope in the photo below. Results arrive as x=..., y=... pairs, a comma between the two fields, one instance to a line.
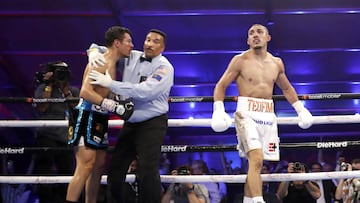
x=197, y=148
x=335, y=119
x=198, y=123
x=274, y=177
x=179, y=99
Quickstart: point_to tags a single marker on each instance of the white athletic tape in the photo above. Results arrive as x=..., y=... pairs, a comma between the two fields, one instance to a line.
x=275, y=177
x=336, y=119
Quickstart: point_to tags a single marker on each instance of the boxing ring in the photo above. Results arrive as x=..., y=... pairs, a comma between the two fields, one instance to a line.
x=273, y=177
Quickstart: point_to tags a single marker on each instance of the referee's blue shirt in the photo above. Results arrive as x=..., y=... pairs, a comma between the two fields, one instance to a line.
x=146, y=84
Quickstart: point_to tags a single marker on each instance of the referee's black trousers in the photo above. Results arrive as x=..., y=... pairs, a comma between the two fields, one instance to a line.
x=143, y=141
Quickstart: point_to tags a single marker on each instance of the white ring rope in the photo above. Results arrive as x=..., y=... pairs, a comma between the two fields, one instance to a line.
x=335, y=119
x=193, y=178
x=274, y=177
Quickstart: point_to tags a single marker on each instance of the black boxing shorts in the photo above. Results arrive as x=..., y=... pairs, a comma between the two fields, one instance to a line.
x=88, y=127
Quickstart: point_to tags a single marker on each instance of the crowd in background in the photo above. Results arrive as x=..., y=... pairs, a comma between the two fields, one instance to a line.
x=329, y=189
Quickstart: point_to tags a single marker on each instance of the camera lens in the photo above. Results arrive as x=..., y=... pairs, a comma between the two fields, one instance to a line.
x=344, y=166
x=297, y=166
x=183, y=172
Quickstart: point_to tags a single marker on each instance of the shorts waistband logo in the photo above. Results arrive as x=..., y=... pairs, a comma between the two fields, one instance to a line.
x=260, y=106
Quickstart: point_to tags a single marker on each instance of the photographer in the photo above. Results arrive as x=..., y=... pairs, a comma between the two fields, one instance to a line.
x=298, y=191
x=185, y=192
x=199, y=167
x=53, y=82
x=348, y=190
x=327, y=186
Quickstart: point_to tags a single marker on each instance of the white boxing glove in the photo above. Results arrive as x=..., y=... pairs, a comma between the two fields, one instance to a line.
x=95, y=58
x=220, y=120
x=100, y=79
x=124, y=109
x=305, y=118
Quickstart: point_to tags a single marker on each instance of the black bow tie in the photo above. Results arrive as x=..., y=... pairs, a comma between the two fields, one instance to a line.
x=142, y=59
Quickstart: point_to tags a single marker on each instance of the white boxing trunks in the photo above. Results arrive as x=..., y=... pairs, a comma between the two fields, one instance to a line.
x=256, y=127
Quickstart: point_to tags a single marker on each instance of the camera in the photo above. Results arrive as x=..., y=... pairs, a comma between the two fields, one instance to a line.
x=59, y=69
x=344, y=166
x=298, y=166
x=181, y=189
x=183, y=171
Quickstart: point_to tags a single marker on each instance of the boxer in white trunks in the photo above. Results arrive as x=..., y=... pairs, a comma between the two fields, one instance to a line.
x=255, y=72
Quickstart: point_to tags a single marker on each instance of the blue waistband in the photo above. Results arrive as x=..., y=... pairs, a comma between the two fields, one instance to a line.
x=88, y=106
x=84, y=105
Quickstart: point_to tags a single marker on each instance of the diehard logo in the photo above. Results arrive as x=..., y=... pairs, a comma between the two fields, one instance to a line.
x=331, y=144
x=172, y=148
x=9, y=150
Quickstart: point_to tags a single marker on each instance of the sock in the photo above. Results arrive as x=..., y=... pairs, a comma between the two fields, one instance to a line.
x=247, y=200
x=258, y=199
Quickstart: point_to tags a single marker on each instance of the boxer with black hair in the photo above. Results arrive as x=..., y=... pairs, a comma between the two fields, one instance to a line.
x=88, y=123
x=255, y=72
x=147, y=78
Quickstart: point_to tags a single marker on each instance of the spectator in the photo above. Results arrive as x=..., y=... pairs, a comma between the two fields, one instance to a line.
x=348, y=190
x=269, y=188
x=281, y=167
x=131, y=192
x=14, y=193
x=164, y=164
x=340, y=158
x=185, y=192
x=234, y=190
x=199, y=167
x=327, y=167
x=327, y=186
x=299, y=191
